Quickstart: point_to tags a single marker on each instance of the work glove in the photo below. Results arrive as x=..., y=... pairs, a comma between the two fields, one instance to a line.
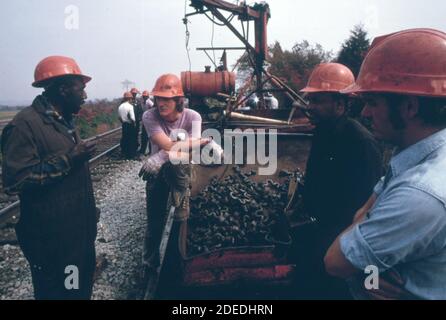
x=152, y=165
x=210, y=153
x=82, y=152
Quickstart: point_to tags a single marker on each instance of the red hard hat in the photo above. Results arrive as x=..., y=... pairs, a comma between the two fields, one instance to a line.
x=409, y=62
x=54, y=67
x=329, y=77
x=134, y=90
x=168, y=86
x=145, y=93
x=128, y=95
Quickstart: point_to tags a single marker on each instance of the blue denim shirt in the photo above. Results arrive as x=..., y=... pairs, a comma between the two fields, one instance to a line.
x=405, y=231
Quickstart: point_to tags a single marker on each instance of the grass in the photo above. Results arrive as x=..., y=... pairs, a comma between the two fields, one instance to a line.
x=4, y=115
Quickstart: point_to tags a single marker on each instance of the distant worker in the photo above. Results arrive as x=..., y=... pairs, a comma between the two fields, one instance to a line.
x=46, y=163
x=343, y=166
x=167, y=124
x=146, y=105
x=271, y=101
x=401, y=232
x=252, y=102
x=128, y=121
x=138, y=109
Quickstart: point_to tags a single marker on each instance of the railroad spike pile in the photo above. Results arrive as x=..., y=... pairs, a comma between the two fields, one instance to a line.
x=237, y=211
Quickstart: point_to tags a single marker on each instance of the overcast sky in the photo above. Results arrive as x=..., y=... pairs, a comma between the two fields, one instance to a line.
x=114, y=40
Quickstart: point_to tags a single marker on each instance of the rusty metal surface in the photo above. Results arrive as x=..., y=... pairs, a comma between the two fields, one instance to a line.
x=273, y=275
x=292, y=153
x=257, y=265
x=207, y=84
x=234, y=257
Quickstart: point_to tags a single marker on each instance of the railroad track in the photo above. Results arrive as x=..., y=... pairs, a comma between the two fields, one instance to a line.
x=3, y=123
x=108, y=143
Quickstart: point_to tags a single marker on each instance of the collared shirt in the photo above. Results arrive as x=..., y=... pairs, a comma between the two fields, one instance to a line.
x=126, y=112
x=405, y=231
x=147, y=105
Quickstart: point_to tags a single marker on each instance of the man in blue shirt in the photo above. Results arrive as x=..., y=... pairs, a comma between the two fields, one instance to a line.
x=401, y=231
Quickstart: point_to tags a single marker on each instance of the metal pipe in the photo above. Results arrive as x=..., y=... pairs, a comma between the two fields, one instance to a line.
x=279, y=134
x=240, y=116
x=152, y=283
x=221, y=48
x=6, y=213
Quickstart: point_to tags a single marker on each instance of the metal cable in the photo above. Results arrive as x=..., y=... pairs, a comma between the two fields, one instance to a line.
x=186, y=21
x=221, y=24
x=212, y=42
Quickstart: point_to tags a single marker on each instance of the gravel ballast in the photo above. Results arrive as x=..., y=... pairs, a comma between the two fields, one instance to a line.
x=120, y=195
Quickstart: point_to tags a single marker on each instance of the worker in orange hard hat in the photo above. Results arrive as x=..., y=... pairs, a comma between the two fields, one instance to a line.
x=170, y=126
x=401, y=230
x=343, y=166
x=147, y=102
x=45, y=163
x=146, y=105
x=127, y=96
x=127, y=117
x=145, y=96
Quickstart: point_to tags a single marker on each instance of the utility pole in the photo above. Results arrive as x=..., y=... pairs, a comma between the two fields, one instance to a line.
x=126, y=84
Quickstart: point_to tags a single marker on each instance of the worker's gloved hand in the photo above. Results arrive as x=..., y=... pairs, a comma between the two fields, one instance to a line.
x=81, y=153
x=152, y=165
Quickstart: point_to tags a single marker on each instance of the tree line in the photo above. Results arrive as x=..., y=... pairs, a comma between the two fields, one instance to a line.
x=294, y=66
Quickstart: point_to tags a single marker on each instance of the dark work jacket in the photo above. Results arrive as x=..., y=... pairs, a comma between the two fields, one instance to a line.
x=58, y=212
x=343, y=167
x=137, y=108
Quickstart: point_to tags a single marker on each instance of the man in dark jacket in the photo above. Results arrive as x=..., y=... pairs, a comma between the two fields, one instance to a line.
x=138, y=109
x=46, y=164
x=342, y=169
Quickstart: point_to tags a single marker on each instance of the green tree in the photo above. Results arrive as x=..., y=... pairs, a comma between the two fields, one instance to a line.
x=295, y=65
x=292, y=66
x=354, y=49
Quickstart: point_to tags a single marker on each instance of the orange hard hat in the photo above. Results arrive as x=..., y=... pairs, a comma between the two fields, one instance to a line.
x=409, y=62
x=145, y=93
x=329, y=77
x=134, y=90
x=128, y=95
x=168, y=86
x=54, y=67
